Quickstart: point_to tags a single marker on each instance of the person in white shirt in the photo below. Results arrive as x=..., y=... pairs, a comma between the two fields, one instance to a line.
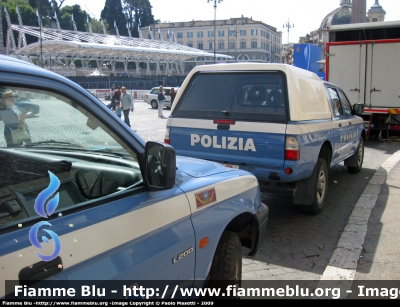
x=126, y=104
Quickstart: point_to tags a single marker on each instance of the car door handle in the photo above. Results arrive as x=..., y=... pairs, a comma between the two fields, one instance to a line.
x=40, y=270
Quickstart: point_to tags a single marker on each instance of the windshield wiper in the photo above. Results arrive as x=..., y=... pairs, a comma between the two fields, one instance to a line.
x=51, y=142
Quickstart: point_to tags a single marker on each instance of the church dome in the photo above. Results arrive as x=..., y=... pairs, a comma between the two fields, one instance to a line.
x=339, y=16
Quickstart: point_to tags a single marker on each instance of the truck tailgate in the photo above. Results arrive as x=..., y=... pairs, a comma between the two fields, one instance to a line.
x=244, y=145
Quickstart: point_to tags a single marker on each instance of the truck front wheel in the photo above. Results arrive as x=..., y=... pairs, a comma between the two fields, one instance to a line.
x=320, y=189
x=226, y=267
x=357, y=158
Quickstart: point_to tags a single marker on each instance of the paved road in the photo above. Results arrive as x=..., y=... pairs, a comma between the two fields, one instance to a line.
x=297, y=246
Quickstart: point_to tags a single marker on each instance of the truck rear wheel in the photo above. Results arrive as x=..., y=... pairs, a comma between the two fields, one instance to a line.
x=320, y=189
x=359, y=155
x=226, y=267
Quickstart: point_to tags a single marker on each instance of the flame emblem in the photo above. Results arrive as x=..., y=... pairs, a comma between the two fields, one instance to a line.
x=50, y=208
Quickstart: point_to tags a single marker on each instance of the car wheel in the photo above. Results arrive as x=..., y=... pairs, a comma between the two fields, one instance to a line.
x=320, y=189
x=154, y=104
x=360, y=158
x=30, y=110
x=226, y=267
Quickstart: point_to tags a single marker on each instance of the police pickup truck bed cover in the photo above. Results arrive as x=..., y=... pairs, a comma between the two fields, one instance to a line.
x=273, y=120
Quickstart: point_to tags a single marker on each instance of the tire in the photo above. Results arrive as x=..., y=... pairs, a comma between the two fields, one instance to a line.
x=320, y=189
x=226, y=267
x=360, y=158
x=154, y=104
x=30, y=110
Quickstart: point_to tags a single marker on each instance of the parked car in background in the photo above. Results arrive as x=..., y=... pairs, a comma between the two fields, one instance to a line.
x=151, y=98
x=89, y=200
x=23, y=104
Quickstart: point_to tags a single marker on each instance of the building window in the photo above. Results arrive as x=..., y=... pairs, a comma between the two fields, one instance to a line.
x=232, y=45
x=253, y=32
x=253, y=44
x=221, y=45
x=190, y=45
x=149, y=36
x=232, y=33
x=210, y=46
x=242, y=32
x=189, y=35
x=199, y=34
x=200, y=46
x=210, y=33
x=179, y=35
x=221, y=33
x=242, y=45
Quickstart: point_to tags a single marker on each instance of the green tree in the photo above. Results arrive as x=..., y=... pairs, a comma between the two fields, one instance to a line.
x=79, y=18
x=28, y=15
x=138, y=12
x=113, y=12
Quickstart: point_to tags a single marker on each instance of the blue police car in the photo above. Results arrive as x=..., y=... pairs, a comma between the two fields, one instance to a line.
x=86, y=198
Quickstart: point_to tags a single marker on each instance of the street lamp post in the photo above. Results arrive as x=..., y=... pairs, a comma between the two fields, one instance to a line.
x=215, y=25
x=288, y=26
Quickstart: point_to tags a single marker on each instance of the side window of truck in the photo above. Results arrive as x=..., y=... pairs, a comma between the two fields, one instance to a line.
x=336, y=105
x=345, y=103
x=68, y=146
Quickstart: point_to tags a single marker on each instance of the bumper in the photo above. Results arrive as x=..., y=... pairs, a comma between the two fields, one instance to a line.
x=262, y=218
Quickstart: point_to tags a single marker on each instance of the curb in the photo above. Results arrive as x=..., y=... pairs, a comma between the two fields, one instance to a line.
x=343, y=263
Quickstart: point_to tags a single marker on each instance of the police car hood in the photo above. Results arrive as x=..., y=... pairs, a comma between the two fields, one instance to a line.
x=200, y=168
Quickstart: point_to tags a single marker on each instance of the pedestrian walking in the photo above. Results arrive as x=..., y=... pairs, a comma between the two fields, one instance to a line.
x=161, y=101
x=118, y=110
x=126, y=104
x=111, y=105
x=117, y=96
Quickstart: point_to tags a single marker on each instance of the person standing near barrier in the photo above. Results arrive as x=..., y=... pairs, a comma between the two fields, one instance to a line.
x=111, y=105
x=126, y=105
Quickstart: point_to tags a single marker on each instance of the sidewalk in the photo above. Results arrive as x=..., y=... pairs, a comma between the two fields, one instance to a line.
x=369, y=247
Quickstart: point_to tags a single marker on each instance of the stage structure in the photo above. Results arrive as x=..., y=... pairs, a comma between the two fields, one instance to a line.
x=57, y=50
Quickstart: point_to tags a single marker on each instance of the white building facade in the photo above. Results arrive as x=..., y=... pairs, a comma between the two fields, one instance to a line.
x=243, y=38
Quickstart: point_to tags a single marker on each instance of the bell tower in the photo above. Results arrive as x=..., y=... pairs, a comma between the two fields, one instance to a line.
x=376, y=12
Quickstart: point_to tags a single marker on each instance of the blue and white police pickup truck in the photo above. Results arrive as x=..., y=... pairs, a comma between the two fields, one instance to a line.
x=85, y=198
x=281, y=123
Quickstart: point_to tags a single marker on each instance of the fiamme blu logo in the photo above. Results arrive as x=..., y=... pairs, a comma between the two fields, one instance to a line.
x=51, y=206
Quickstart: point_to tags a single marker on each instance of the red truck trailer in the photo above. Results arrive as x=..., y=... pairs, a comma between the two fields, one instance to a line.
x=363, y=59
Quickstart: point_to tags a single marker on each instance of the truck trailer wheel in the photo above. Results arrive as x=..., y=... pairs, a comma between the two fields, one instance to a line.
x=226, y=267
x=358, y=158
x=154, y=104
x=320, y=189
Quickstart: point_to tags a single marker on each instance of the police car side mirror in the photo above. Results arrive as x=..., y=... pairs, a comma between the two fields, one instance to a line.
x=160, y=166
x=358, y=108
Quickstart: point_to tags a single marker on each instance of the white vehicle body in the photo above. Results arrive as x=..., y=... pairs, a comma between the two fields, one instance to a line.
x=151, y=97
x=365, y=70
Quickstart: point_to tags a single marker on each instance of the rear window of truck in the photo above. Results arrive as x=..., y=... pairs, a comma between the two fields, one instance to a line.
x=252, y=96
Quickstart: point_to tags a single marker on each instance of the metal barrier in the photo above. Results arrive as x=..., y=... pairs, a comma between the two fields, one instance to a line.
x=102, y=93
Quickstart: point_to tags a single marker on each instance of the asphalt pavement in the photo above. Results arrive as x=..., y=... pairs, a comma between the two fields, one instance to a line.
x=366, y=249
